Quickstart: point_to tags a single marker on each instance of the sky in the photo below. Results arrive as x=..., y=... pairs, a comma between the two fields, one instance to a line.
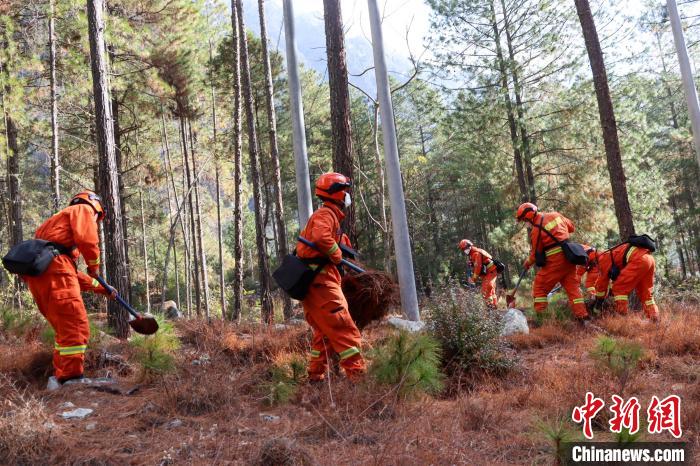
x=399, y=15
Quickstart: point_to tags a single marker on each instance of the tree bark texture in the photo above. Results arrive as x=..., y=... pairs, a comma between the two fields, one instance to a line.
x=618, y=182
x=109, y=176
x=237, y=166
x=55, y=162
x=341, y=129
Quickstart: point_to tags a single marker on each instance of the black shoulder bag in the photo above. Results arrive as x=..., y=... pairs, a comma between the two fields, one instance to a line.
x=32, y=257
x=575, y=253
x=295, y=274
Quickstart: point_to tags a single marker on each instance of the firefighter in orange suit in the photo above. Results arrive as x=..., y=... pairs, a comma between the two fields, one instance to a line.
x=556, y=269
x=636, y=272
x=325, y=307
x=483, y=268
x=57, y=290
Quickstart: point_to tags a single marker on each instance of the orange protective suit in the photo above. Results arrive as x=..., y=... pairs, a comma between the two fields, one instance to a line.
x=477, y=259
x=57, y=291
x=325, y=307
x=637, y=273
x=556, y=269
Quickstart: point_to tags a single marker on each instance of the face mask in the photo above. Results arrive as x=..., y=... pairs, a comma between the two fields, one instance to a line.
x=348, y=200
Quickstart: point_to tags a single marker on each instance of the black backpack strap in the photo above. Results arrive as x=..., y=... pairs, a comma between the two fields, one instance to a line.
x=63, y=249
x=547, y=231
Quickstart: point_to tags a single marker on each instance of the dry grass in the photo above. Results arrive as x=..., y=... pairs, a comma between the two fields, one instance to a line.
x=27, y=435
x=212, y=412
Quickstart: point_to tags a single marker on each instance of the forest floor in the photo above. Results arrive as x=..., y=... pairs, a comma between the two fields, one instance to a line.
x=215, y=408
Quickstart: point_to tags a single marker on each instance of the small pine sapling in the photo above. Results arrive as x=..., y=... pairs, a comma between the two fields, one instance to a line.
x=410, y=362
x=155, y=353
x=620, y=357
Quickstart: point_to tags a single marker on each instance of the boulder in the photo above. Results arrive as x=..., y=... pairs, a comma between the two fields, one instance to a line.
x=513, y=322
x=170, y=310
x=408, y=325
x=78, y=413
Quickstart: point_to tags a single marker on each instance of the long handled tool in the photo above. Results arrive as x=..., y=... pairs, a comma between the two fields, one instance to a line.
x=342, y=261
x=143, y=324
x=510, y=297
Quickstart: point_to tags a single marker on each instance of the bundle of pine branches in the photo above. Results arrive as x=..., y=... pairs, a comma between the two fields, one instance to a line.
x=370, y=296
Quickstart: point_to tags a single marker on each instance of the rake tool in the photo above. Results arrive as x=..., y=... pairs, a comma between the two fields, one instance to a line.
x=141, y=323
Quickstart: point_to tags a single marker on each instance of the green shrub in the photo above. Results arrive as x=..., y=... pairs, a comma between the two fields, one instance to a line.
x=155, y=352
x=285, y=376
x=17, y=323
x=620, y=357
x=409, y=361
x=469, y=333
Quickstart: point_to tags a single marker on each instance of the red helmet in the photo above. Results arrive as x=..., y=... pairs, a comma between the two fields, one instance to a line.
x=332, y=186
x=465, y=244
x=92, y=199
x=526, y=211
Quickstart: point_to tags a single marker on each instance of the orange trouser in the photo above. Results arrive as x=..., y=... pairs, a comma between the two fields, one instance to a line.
x=558, y=270
x=326, y=311
x=637, y=275
x=488, y=287
x=57, y=295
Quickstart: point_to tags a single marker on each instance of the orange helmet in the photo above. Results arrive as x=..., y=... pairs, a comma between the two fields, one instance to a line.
x=464, y=244
x=332, y=186
x=526, y=211
x=92, y=199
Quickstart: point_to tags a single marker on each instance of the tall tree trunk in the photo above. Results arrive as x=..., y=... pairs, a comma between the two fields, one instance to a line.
x=618, y=182
x=120, y=170
x=517, y=157
x=198, y=223
x=194, y=258
x=341, y=130
x=274, y=153
x=517, y=91
x=55, y=162
x=144, y=250
x=170, y=172
x=237, y=165
x=14, y=181
x=217, y=170
x=116, y=257
x=263, y=265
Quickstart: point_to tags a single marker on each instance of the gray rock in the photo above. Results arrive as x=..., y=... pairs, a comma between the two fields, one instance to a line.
x=269, y=417
x=53, y=384
x=175, y=423
x=513, y=322
x=170, y=310
x=203, y=360
x=408, y=325
x=91, y=426
x=66, y=405
x=78, y=413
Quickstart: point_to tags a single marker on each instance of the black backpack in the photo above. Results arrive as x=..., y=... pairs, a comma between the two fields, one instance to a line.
x=32, y=257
